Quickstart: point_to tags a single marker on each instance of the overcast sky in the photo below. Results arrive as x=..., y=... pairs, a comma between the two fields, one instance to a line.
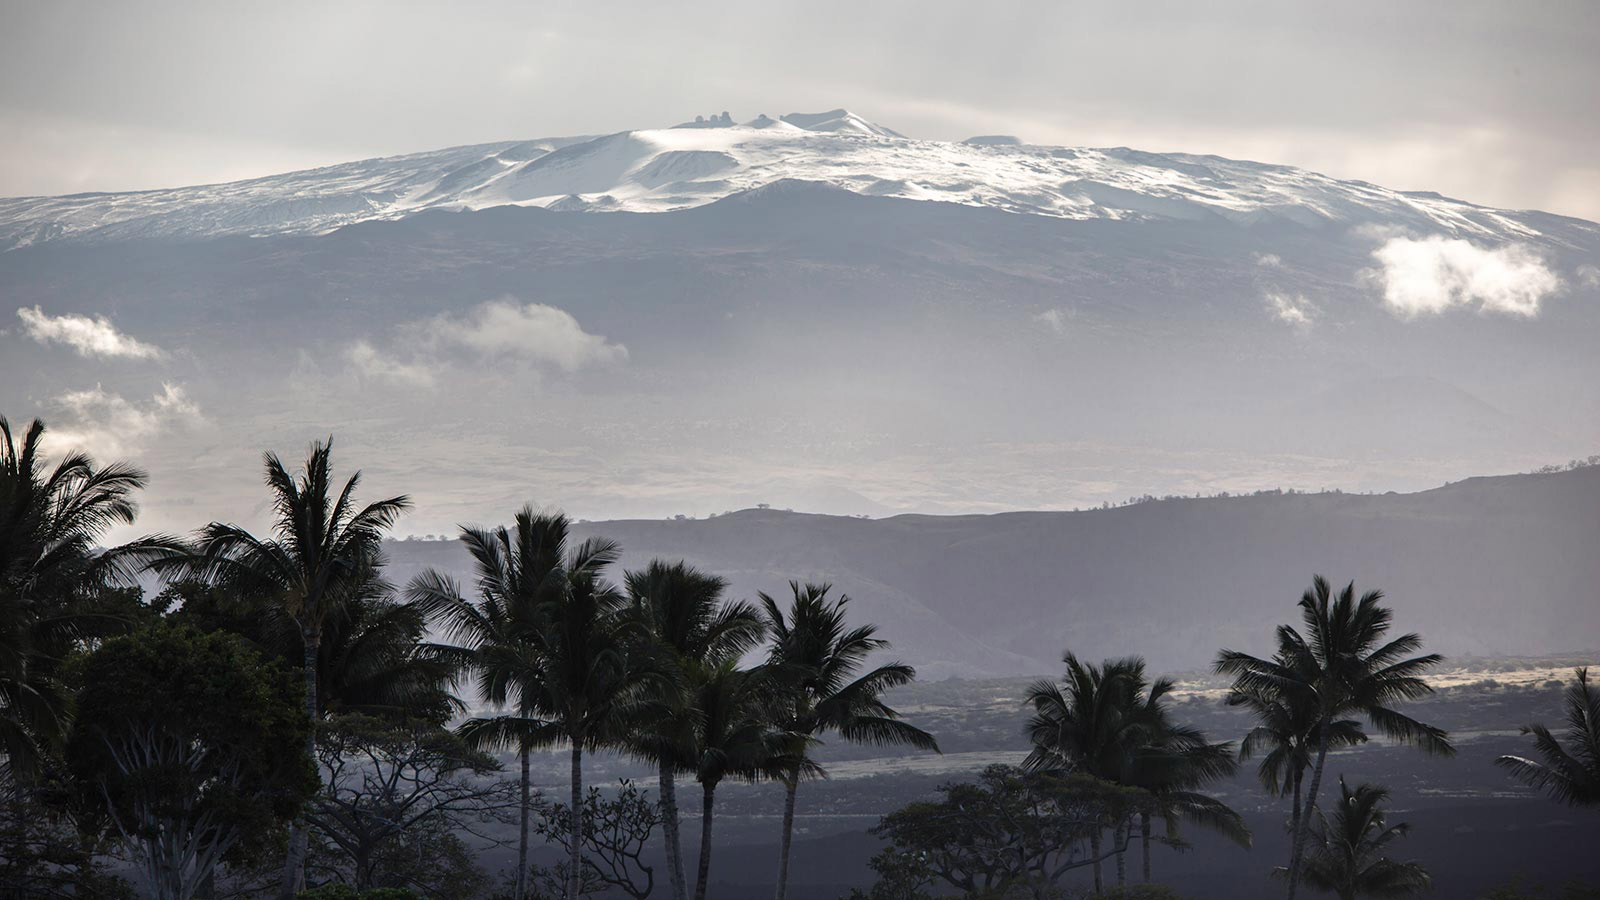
x=1494, y=103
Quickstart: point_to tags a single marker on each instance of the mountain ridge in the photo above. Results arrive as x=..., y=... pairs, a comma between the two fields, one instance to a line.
x=1489, y=564
x=717, y=160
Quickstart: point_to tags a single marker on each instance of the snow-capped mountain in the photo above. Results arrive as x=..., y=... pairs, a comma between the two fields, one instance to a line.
x=810, y=311
x=699, y=162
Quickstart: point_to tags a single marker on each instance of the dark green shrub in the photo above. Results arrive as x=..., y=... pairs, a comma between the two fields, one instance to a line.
x=346, y=892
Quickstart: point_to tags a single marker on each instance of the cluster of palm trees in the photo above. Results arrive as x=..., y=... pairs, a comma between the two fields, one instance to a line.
x=653, y=666
x=1306, y=700
x=1110, y=721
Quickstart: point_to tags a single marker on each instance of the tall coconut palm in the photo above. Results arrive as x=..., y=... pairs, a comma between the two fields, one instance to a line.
x=1568, y=774
x=1346, y=854
x=325, y=552
x=499, y=636
x=1341, y=666
x=590, y=683
x=52, y=520
x=817, y=655
x=1090, y=723
x=1171, y=766
x=734, y=737
x=1285, y=737
x=684, y=617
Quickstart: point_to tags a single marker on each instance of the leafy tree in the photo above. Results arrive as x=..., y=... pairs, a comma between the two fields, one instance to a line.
x=1010, y=831
x=816, y=657
x=387, y=785
x=617, y=832
x=1346, y=853
x=686, y=621
x=901, y=875
x=498, y=637
x=325, y=554
x=1569, y=774
x=1341, y=666
x=57, y=839
x=193, y=742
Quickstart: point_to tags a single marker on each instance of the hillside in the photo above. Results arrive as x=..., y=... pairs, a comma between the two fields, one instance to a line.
x=1493, y=565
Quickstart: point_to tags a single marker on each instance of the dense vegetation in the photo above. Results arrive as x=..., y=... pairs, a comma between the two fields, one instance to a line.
x=278, y=720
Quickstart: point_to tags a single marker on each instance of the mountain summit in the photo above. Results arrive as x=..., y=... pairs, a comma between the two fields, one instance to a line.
x=699, y=162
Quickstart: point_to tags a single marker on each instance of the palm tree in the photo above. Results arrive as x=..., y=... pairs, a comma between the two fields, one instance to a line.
x=51, y=523
x=1570, y=776
x=816, y=657
x=1173, y=764
x=1285, y=735
x=375, y=660
x=1340, y=667
x=1111, y=723
x=1089, y=724
x=1346, y=854
x=325, y=554
x=682, y=612
x=590, y=684
x=735, y=737
x=520, y=572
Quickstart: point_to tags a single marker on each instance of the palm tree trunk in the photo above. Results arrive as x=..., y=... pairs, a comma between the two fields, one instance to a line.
x=1294, y=809
x=294, y=866
x=575, y=844
x=669, y=832
x=522, y=841
x=790, y=786
x=1120, y=835
x=710, y=790
x=1144, y=836
x=1304, y=824
x=1094, y=850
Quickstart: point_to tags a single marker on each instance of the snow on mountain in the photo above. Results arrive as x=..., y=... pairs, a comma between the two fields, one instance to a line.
x=700, y=162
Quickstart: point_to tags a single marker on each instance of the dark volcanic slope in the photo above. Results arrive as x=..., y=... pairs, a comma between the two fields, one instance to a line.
x=1489, y=565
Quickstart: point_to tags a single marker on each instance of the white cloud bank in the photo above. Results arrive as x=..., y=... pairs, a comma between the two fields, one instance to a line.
x=503, y=329
x=534, y=332
x=108, y=425
x=89, y=337
x=1428, y=276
